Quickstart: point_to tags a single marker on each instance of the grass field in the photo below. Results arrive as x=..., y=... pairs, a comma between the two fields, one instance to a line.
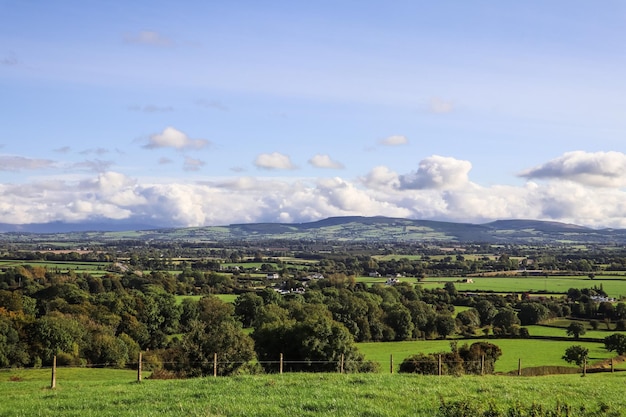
x=614, y=286
x=531, y=352
x=89, y=392
x=227, y=298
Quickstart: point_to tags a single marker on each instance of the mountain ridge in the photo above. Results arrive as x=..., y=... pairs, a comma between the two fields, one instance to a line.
x=339, y=228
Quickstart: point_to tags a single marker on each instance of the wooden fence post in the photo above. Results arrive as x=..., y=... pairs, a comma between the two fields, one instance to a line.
x=585, y=367
x=612, y=366
x=391, y=363
x=519, y=367
x=482, y=365
x=139, y=368
x=215, y=364
x=439, y=365
x=281, y=364
x=342, y=359
x=53, y=383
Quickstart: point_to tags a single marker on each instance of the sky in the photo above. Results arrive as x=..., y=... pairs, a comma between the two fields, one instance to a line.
x=199, y=113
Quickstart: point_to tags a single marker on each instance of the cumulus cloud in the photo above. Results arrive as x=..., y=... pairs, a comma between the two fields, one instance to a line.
x=174, y=138
x=192, y=164
x=275, y=160
x=439, y=105
x=112, y=195
x=325, y=161
x=165, y=161
x=381, y=177
x=394, y=140
x=147, y=37
x=20, y=163
x=599, y=169
x=437, y=172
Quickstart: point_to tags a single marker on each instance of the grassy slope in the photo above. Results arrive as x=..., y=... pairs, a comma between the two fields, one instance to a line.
x=81, y=393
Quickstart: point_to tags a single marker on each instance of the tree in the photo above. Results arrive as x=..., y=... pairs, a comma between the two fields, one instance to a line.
x=576, y=329
x=450, y=288
x=532, y=313
x=473, y=357
x=398, y=317
x=506, y=321
x=310, y=341
x=486, y=311
x=446, y=325
x=247, y=307
x=194, y=354
x=616, y=342
x=576, y=354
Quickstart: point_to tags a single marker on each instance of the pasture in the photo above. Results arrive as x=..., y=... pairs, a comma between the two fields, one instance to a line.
x=90, y=392
x=531, y=352
x=613, y=285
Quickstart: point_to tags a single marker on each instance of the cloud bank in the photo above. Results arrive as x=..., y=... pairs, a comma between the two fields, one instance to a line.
x=439, y=189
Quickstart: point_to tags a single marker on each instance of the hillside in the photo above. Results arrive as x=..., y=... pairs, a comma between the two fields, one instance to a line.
x=352, y=229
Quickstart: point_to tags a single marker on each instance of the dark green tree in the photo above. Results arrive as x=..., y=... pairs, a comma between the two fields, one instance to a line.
x=194, y=354
x=487, y=311
x=616, y=342
x=446, y=325
x=576, y=354
x=247, y=307
x=506, y=322
x=576, y=329
x=532, y=313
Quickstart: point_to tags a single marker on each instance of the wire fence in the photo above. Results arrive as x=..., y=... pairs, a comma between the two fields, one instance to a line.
x=437, y=365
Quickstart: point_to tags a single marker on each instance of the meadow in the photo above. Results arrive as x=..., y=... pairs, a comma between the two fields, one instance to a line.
x=615, y=286
x=101, y=392
x=531, y=352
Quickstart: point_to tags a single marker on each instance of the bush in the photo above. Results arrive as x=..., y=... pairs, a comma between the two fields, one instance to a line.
x=420, y=364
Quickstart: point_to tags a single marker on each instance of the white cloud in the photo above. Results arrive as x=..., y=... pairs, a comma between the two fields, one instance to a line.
x=600, y=169
x=381, y=177
x=174, y=138
x=394, y=140
x=325, y=161
x=438, y=190
x=274, y=160
x=192, y=164
x=439, y=105
x=20, y=163
x=147, y=37
x=437, y=172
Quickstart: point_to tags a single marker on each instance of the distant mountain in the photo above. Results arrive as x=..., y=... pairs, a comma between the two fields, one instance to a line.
x=337, y=229
x=63, y=227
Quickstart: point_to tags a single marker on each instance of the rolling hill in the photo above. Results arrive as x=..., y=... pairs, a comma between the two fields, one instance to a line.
x=341, y=229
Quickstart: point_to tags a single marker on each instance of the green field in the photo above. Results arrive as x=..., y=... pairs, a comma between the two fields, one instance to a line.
x=227, y=298
x=91, y=392
x=531, y=352
x=614, y=286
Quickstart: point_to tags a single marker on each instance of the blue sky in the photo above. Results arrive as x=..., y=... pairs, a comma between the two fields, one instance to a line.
x=208, y=113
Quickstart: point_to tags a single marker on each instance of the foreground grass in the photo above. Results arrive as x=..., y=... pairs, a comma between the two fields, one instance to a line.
x=88, y=392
